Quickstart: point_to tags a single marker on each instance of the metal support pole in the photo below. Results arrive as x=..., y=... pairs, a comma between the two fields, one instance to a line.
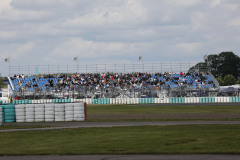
x=48, y=69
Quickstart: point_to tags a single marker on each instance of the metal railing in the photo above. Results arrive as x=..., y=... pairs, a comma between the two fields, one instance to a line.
x=160, y=67
x=214, y=79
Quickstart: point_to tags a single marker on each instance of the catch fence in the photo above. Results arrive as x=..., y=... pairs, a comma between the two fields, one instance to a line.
x=160, y=67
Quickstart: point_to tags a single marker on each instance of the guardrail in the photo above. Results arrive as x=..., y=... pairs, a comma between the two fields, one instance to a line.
x=214, y=79
x=129, y=100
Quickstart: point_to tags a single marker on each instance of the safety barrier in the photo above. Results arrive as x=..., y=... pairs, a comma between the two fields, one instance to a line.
x=130, y=100
x=146, y=100
x=8, y=113
x=234, y=99
x=207, y=99
x=43, y=112
x=176, y=100
x=101, y=101
x=20, y=113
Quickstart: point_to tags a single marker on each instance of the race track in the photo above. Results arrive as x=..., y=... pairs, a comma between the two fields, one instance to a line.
x=70, y=125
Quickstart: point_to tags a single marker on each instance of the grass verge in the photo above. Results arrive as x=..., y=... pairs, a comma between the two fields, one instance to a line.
x=134, y=109
x=188, y=139
x=162, y=120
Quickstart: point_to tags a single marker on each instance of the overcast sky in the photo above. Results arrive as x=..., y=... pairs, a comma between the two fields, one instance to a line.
x=116, y=31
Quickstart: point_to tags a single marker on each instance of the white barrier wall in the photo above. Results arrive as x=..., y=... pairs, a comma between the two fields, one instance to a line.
x=69, y=113
x=39, y=114
x=20, y=113
x=59, y=112
x=30, y=112
x=49, y=113
x=78, y=112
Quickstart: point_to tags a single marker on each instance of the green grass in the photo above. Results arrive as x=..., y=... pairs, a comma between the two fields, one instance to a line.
x=141, y=109
x=162, y=120
x=188, y=139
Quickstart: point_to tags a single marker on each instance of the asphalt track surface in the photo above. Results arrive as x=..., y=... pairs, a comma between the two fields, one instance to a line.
x=71, y=125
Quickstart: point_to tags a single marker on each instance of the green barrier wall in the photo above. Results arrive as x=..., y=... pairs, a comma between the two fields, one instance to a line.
x=234, y=99
x=8, y=113
x=176, y=100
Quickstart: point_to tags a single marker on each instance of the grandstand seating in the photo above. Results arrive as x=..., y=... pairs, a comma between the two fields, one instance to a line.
x=112, y=80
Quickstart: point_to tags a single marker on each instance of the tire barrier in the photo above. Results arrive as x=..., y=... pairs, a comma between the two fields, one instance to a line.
x=69, y=112
x=59, y=112
x=49, y=114
x=43, y=112
x=39, y=114
x=8, y=113
x=30, y=112
x=78, y=112
x=20, y=113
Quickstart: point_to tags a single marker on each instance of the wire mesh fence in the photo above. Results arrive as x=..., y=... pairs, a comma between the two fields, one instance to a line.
x=100, y=68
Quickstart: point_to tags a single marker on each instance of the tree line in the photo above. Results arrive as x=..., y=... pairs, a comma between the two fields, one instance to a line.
x=225, y=67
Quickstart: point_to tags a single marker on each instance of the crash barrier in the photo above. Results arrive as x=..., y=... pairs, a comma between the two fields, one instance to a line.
x=44, y=112
x=8, y=113
x=101, y=101
x=234, y=99
x=131, y=100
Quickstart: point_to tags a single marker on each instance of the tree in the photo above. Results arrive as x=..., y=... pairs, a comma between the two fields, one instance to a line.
x=223, y=64
x=220, y=80
x=229, y=80
x=220, y=64
x=2, y=83
x=238, y=81
x=199, y=67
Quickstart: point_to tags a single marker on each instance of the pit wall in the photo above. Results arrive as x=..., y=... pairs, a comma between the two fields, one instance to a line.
x=132, y=100
x=43, y=112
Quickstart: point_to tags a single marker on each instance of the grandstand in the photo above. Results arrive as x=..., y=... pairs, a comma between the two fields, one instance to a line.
x=113, y=85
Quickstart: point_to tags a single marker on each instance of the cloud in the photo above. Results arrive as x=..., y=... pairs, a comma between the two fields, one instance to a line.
x=187, y=3
x=109, y=15
x=17, y=50
x=4, y=5
x=91, y=49
x=7, y=34
x=55, y=31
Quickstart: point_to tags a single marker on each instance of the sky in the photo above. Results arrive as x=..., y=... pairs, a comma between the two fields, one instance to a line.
x=47, y=32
